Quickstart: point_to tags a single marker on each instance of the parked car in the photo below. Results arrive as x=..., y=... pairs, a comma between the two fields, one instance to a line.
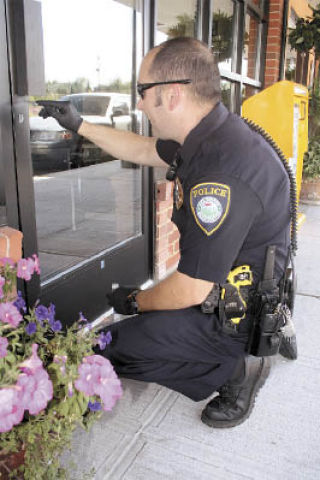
x=55, y=148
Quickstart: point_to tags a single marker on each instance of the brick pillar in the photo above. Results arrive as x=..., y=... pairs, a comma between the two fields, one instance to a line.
x=166, y=236
x=10, y=247
x=252, y=47
x=10, y=243
x=273, y=42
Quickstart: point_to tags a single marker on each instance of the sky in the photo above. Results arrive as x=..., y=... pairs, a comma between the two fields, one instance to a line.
x=83, y=35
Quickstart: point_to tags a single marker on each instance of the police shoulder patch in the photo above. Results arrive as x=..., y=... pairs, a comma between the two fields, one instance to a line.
x=210, y=205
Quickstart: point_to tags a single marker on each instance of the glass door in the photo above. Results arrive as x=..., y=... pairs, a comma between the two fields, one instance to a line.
x=91, y=210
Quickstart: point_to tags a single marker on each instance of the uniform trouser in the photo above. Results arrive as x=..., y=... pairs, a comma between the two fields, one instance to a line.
x=183, y=350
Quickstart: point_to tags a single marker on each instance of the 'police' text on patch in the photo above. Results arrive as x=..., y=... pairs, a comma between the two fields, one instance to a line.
x=210, y=205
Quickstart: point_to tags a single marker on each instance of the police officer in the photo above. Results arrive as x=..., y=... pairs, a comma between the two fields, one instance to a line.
x=231, y=200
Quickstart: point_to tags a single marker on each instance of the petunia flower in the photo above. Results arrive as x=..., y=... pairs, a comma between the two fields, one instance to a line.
x=2, y=282
x=51, y=313
x=36, y=264
x=10, y=314
x=97, y=377
x=82, y=318
x=94, y=407
x=11, y=409
x=41, y=313
x=36, y=390
x=31, y=328
x=6, y=261
x=70, y=389
x=34, y=362
x=104, y=339
x=61, y=360
x=20, y=303
x=3, y=347
x=25, y=268
x=56, y=325
x=34, y=385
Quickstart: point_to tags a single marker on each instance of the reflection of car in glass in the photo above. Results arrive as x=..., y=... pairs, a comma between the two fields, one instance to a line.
x=54, y=148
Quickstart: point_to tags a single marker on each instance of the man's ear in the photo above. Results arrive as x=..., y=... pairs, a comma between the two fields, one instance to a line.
x=174, y=97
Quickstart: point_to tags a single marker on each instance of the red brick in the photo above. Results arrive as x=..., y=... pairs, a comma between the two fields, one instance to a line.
x=161, y=218
x=161, y=244
x=271, y=63
x=274, y=16
x=175, y=235
x=163, y=190
x=172, y=261
x=161, y=231
x=163, y=204
x=273, y=48
x=162, y=256
x=176, y=246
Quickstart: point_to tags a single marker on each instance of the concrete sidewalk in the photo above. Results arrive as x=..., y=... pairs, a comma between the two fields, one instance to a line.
x=156, y=434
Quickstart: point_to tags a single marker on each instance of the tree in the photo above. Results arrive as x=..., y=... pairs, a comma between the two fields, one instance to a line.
x=306, y=35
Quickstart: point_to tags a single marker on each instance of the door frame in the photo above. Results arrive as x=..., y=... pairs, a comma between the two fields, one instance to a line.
x=78, y=288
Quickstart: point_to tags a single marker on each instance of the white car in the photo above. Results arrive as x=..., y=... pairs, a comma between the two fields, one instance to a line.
x=55, y=148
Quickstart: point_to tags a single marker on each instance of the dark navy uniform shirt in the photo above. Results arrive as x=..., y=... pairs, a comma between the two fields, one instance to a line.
x=232, y=198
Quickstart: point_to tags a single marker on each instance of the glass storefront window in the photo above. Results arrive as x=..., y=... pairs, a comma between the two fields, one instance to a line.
x=290, y=55
x=248, y=91
x=223, y=24
x=86, y=201
x=250, y=44
x=175, y=19
x=226, y=93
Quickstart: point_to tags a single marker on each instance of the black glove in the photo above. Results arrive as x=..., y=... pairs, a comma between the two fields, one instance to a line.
x=63, y=111
x=122, y=302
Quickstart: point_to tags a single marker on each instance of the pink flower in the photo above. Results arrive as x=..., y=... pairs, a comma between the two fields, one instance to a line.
x=61, y=360
x=32, y=363
x=34, y=385
x=35, y=390
x=97, y=377
x=10, y=314
x=11, y=411
x=70, y=389
x=36, y=264
x=25, y=268
x=3, y=346
x=2, y=282
x=6, y=261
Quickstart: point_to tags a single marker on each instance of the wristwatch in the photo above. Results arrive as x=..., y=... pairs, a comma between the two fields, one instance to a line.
x=133, y=302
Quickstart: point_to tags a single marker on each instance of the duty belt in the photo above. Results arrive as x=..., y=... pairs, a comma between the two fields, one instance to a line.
x=230, y=298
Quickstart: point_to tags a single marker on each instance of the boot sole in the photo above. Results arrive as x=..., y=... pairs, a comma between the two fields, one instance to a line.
x=288, y=348
x=264, y=373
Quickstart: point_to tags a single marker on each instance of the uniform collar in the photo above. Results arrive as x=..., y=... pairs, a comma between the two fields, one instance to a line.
x=205, y=128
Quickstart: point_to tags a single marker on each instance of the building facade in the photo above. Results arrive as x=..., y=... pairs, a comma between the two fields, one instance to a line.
x=97, y=221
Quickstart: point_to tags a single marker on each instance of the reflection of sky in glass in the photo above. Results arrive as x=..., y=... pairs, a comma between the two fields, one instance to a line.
x=83, y=35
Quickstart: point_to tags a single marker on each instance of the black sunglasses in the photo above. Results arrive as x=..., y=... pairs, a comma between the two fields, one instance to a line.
x=141, y=87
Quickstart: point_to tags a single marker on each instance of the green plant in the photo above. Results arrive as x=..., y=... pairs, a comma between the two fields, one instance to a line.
x=311, y=160
x=51, y=380
x=306, y=34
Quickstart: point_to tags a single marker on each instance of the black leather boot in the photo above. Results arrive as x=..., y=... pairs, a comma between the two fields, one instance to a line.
x=288, y=346
x=236, y=399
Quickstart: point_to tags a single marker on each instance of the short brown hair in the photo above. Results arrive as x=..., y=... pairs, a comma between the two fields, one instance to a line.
x=186, y=57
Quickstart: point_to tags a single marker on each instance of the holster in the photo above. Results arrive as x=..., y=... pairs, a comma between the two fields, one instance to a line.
x=266, y=334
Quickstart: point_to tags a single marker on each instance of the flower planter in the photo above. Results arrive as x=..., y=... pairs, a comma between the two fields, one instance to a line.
x=9, y=462
x=310, y=190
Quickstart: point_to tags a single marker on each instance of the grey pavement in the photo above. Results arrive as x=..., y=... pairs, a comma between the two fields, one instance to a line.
x=154, y=433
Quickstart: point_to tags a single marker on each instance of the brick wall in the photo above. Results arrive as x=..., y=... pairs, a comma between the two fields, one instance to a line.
x=273, y=42
x=166, y=235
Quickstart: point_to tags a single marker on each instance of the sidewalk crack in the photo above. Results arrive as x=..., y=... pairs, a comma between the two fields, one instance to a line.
x=317, y=297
